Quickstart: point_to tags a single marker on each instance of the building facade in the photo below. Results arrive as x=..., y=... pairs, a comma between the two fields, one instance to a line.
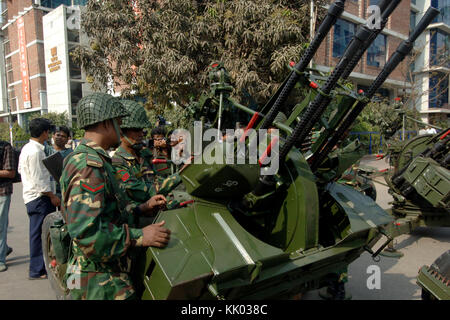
x=66, y=83
x=24, y=89
x=412, y=80
x=356, y=13
x=430, y=70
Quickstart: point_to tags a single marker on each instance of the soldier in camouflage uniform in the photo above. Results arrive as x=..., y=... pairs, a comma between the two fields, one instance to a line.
x=136, y=176
x=97, y=211
x=133, y=162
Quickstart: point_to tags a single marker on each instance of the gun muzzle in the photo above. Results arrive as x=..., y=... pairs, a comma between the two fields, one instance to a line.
x=402, y=51
x=334, y=12
x=321, y=101
x=386, y=9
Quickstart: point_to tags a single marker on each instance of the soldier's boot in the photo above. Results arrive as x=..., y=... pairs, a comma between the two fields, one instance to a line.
x=335, y=291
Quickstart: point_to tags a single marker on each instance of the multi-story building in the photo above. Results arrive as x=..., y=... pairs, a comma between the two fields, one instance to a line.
x=416, y=75
x=355, y=14
x=25, y=89
x=430, y=71
x=66, y=83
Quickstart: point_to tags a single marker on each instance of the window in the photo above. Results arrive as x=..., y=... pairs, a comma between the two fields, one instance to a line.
x=412, y=20
x=57, y=3
x=73, y=35
x=374, y=2
x=10, y=76
x=444, y=7
x=376, y=54
x=438, y=96
x=76, y=92
x=343, y=33
x=439, y=48
x=6, y=47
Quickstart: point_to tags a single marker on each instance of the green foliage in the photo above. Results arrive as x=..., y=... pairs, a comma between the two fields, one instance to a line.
x=58, y=119
x=77, y=133
x=4, y=131
x=20, y=135
x=386, y=118
x=162, y=51
x=172, y=113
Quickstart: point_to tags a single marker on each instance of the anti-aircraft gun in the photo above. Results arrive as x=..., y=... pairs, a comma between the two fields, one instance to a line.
x=254, y=234
x=420, y=187
x=420, y=183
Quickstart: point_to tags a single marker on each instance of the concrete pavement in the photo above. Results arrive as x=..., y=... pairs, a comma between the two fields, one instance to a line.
x=398, y=276
x=14, y=283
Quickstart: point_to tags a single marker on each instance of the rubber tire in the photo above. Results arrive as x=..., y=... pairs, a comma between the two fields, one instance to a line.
x=45, y=236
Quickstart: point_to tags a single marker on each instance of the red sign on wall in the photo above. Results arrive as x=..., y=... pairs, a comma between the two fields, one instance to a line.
x=26, y=92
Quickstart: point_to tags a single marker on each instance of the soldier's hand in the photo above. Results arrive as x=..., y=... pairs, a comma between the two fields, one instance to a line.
x=156, y=202
x=155, y=235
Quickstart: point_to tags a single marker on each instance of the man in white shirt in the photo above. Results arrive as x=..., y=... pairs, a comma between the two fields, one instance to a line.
x=431, y=130
x=38, y=195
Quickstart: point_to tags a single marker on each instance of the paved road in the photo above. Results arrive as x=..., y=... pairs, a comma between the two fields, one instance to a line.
x=421, y=247
x=14, y=283
x=398, y=276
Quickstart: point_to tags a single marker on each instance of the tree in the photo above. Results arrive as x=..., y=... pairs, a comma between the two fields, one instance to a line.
x=160, y=50
x=58, y=119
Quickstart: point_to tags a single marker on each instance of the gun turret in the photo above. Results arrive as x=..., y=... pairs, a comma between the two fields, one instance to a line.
x=362, y=39
x=277, y=101
x=402, y=51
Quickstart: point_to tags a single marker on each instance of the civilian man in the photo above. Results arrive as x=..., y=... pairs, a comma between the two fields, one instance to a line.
x=39, y=198
x=7, y=172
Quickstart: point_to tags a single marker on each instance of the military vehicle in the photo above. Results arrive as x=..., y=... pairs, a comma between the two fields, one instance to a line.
x=253, y=234
x=435, y=279
x=420, y=185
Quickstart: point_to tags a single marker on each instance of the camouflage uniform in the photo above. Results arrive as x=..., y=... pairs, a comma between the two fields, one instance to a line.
x=96, y=211
x=137, y=178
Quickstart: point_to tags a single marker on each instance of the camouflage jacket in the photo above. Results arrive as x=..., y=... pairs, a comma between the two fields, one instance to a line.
x=135, y=175
x=138, y=177
x=96, y=212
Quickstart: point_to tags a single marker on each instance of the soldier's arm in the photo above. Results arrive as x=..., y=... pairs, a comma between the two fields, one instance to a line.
x=166, y=185
x=89, y=216
x=135, y=187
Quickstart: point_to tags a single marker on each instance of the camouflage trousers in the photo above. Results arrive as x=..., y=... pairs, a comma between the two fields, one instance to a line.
x=101, y=286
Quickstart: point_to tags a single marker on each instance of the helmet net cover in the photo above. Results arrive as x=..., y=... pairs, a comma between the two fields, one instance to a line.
x=138, y=117
x=98, y=107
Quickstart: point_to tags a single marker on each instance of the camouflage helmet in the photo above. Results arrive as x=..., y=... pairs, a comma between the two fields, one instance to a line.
x=98, y=107
x=138, y=117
